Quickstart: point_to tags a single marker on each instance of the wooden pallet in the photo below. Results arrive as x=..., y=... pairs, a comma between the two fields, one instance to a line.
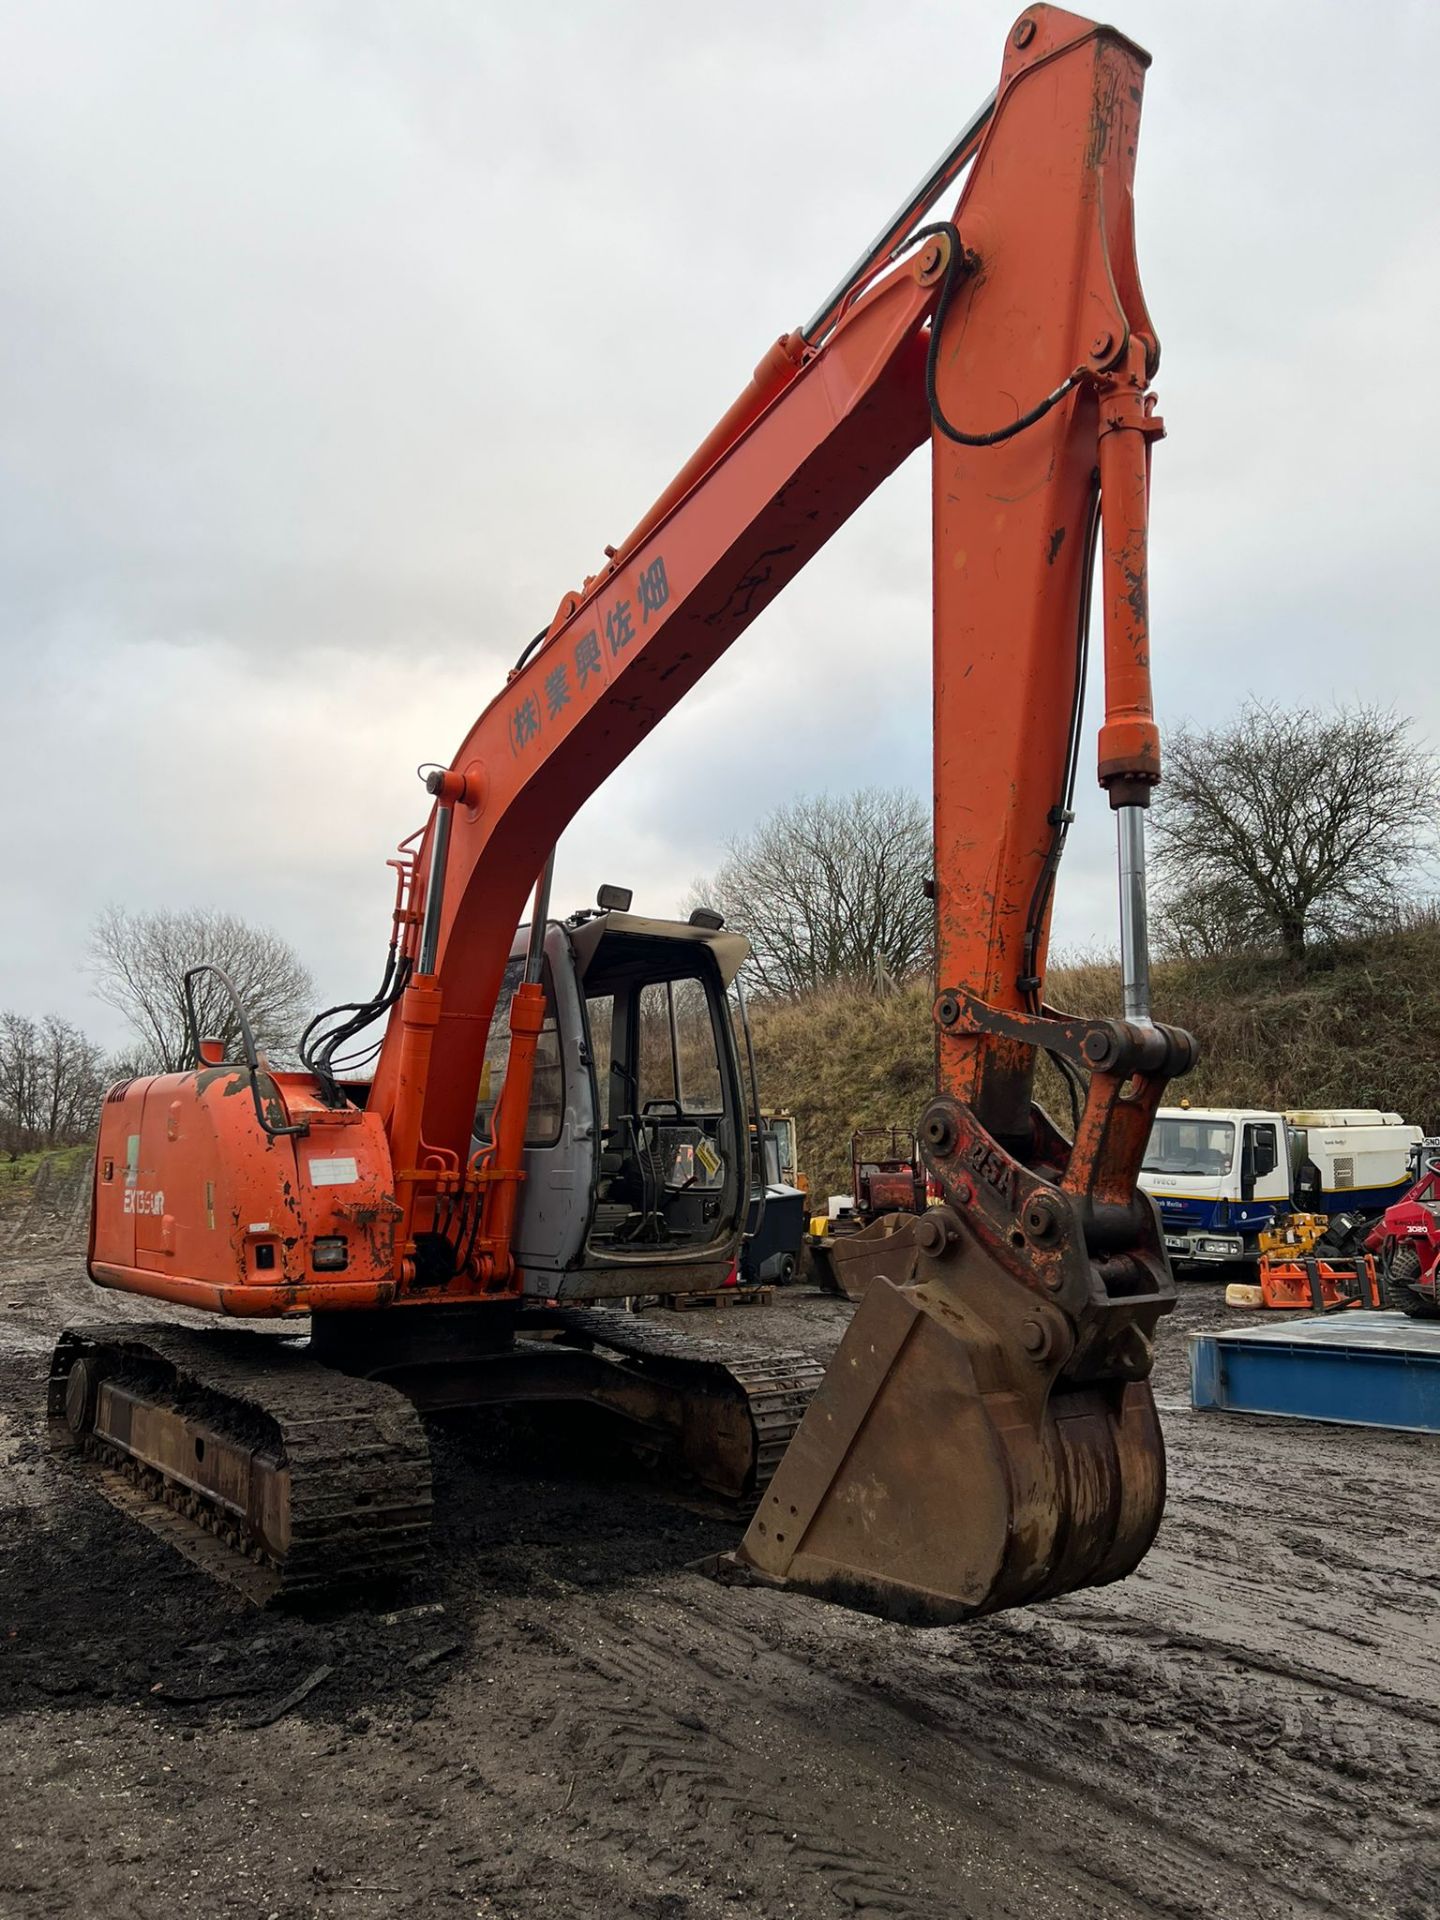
x=720, y=1297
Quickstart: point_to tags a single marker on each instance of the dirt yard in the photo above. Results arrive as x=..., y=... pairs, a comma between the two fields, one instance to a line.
x=568, y=1722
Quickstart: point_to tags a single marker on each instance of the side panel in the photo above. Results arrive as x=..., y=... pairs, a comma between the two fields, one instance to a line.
x=117, y=1173
x=195, y=1202
x=173, y=1199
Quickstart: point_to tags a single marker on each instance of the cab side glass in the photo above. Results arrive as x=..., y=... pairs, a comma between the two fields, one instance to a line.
x=547, y=1089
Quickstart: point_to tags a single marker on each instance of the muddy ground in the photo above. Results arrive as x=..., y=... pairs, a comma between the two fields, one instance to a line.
x=566, y=1721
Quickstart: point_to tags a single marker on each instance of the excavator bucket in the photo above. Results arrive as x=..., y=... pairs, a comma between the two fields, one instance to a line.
x=947, y=1468
x=849, y=1259
x=985, y=1435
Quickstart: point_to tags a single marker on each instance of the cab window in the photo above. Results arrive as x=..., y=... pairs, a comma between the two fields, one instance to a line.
x=547, y=1090
x=1263, y=1153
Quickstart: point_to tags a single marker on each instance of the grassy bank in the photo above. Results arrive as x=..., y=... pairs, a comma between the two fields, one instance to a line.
x=1359, y=1026
x=21, y=1174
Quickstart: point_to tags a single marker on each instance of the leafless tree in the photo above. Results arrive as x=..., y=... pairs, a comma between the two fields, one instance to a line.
x=1290, y=826
x=831, y=888
x=51, y=1081
x=19, y=1080
x=139, y=961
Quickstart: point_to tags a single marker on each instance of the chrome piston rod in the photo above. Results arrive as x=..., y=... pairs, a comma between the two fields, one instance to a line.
x=1134, y=915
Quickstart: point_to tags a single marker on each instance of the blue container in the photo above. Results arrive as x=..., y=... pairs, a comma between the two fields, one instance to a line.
x=1360, y=1369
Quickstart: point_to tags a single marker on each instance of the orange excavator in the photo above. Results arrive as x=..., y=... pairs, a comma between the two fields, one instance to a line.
x=556, y=1118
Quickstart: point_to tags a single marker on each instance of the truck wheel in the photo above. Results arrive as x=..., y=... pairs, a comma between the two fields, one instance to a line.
x=1400, y=1276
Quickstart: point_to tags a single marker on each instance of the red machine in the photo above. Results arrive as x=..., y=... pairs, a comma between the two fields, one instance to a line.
x=883, y=1179
x=1406, y=1243
x=986, y=1435
x=1308, y=1280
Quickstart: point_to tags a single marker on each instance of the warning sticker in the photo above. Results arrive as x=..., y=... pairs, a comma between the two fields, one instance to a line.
x=342, y=1171
x=708, y=1157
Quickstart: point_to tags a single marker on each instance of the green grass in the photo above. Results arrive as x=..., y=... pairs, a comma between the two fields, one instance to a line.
x=1359, y=1026
x=18, y=1172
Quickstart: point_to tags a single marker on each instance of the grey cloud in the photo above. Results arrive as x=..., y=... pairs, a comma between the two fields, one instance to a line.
x=341, y=338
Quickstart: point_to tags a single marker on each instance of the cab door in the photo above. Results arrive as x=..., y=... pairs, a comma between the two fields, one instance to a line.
x=553, y=1213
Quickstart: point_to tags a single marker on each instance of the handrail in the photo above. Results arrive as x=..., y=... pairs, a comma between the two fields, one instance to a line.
x=247, y=1041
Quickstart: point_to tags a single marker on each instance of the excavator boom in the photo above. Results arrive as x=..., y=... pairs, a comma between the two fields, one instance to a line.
x=986, y=1435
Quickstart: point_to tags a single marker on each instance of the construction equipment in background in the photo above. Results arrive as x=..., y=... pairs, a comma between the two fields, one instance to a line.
x=1304, y=1264
x=1329, y=1261
x=886, y=1183
x=1223, y=1177
x=1406, y=1241
x=883, y=1178
x=986, y=1435
x=774, y=1242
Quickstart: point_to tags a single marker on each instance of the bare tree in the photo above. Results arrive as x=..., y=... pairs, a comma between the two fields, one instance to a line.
x=19, y=1080
x=51, y=1081
x=139, y=962
x=831, y=888
x=1289, y=826
x=74, y=1081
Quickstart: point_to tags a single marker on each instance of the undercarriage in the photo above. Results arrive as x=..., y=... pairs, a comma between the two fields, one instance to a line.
x=289, y=1468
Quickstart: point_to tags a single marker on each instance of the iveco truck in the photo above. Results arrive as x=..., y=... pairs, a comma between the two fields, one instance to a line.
x=1220, y=1175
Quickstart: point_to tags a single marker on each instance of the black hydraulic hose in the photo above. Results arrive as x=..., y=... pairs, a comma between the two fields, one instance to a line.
x=954, y=274
x=1062, y=815
x=528, y=649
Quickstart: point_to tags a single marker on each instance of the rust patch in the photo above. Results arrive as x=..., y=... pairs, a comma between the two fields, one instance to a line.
x=237, y=1079
x=757, y=577
x=1057, y=540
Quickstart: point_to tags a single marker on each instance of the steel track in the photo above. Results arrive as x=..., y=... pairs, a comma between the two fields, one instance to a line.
x=359, y=1489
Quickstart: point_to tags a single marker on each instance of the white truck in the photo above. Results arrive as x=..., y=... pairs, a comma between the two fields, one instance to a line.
x=1220, y=1175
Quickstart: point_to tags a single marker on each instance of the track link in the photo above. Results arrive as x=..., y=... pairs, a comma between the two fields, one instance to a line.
x=776, y=1387
x=341, y=1464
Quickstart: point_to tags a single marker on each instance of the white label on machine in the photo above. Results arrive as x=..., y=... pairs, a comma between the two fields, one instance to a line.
x=342, y=1171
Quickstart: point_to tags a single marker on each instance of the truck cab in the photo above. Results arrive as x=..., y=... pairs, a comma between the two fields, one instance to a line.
x=1220, y=1176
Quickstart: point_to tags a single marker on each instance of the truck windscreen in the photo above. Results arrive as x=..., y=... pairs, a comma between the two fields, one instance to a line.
x=1190, y=1146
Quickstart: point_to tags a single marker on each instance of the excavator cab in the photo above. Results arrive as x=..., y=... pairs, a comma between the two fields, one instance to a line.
x=637, y=1142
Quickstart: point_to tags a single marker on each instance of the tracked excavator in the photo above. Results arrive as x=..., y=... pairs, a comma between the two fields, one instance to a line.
x=556, y=1120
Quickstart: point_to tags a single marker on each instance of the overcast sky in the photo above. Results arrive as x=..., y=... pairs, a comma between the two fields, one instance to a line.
x=339, y=338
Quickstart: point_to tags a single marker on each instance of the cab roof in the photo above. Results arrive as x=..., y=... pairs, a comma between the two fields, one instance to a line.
x=731, y=950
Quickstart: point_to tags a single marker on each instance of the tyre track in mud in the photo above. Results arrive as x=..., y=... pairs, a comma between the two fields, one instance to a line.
x=719, y=1726
x=708, y=1776
x=1204, y=1761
